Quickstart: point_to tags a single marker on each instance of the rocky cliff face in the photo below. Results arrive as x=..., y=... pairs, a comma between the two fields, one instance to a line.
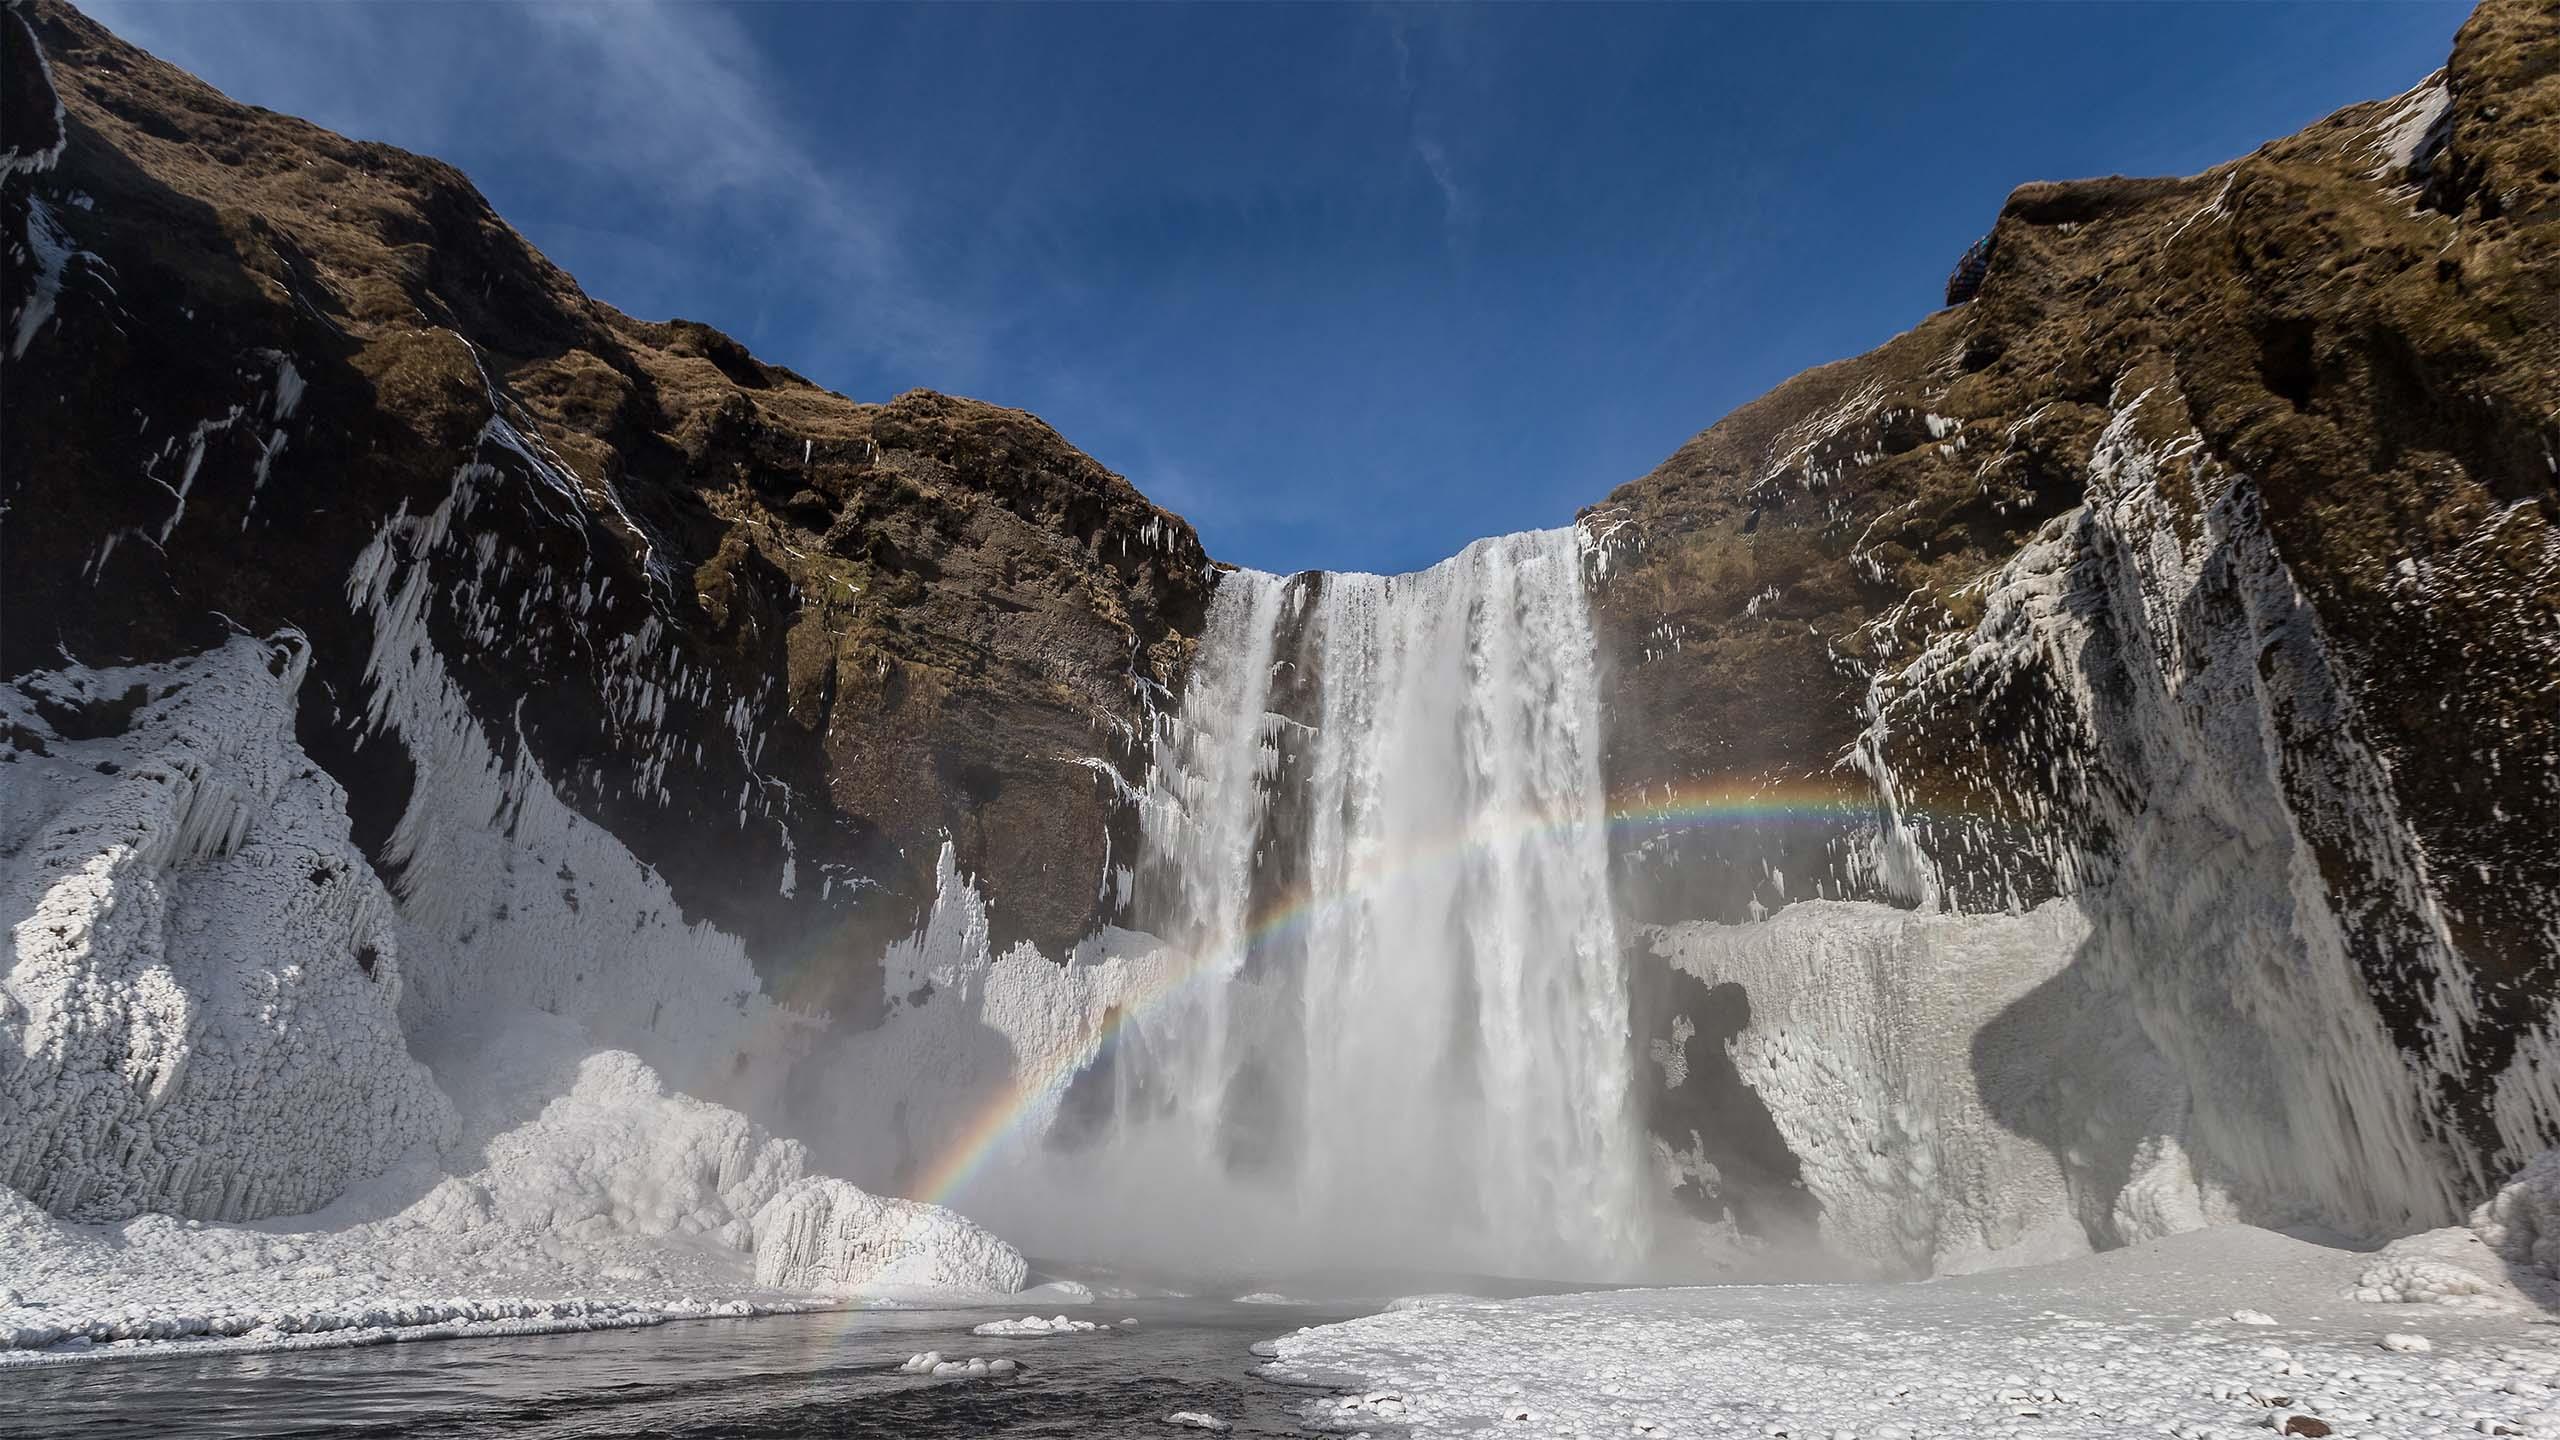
x=775, y=642
x=2200, y=576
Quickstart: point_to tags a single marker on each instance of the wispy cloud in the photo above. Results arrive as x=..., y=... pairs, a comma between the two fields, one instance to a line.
x=670, y=106
x=1416, y=38
x=1455, y=208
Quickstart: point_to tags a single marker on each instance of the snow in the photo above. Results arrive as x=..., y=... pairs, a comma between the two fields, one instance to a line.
x=52, y=249
x=2131, y=1342
x=199, y=1005
x=2411, y=129
x=211, y=1019
x=578, y=1192
x=14, y=158
x=1034, y=1325
x=935, y=1364
x=1197, y=1420
x=1062, y=1292
x=548, y=911
x=2521, y=1223
x=827, y=1235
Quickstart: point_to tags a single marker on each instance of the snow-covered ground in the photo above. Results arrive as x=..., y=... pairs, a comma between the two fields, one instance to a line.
x=2139, y=1341
x=580, y=1195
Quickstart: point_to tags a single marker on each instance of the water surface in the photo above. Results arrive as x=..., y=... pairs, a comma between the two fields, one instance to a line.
x=808, y=1375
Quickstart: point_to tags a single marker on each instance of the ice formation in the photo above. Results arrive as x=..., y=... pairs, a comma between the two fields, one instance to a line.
x=2521, y=1223
x=199, y=1001
x=827, y=1236
x=1919, y=1124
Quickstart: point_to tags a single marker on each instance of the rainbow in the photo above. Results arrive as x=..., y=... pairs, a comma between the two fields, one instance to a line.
x=1040, y=1080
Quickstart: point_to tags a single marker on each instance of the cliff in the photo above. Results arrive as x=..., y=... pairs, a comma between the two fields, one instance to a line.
x=775, y=641
x=2200, y=574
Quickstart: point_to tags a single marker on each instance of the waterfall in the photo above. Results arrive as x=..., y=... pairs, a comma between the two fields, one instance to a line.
x=1377, y=833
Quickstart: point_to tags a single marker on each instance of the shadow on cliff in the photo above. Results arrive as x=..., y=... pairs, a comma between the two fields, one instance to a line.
x=1733, y=1163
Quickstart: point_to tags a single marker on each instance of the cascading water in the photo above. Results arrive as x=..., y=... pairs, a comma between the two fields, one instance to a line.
x=1378, y=833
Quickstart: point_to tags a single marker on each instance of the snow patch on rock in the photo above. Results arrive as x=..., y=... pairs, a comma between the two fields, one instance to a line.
x=508, y=897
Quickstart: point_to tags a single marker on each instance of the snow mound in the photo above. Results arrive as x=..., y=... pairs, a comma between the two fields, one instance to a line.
x=582, y=1144
x=1060, y=1292
x=2522, y=1221
x=1197, y=1420
x=199, y=1005
x=828, y=1236
x=1034, y=1325
x=2404, y=1275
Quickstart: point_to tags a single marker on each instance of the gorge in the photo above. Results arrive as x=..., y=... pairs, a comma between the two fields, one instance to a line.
x=514, y=816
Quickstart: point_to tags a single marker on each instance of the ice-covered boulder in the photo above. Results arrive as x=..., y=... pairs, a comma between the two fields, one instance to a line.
x=2522, y=1221
x=200, y=978
x=827, y=1235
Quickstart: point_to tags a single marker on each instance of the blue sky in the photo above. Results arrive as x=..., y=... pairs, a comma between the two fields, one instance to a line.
x=1348, y=286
